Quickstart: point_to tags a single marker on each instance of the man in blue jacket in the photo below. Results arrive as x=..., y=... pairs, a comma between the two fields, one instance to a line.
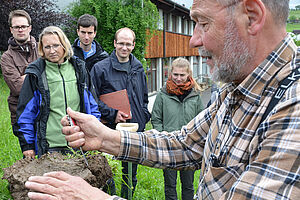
x=122, y=70
x=85, y=47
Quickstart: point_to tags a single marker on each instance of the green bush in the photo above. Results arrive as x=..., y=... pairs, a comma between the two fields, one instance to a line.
x=112, y=15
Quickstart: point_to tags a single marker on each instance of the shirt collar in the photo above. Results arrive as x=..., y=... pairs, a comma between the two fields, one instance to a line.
x=91, y=52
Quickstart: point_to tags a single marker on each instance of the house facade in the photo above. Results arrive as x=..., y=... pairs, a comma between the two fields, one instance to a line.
x=170, y=42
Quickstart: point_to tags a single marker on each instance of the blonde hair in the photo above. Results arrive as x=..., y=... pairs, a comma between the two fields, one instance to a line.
x=184, y=63
x=51, y=30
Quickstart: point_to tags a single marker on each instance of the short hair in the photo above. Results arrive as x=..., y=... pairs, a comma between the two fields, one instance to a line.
x=278, y=8
x=18, y=13
x=87, y=20
x=51, y=30
x=124, y=29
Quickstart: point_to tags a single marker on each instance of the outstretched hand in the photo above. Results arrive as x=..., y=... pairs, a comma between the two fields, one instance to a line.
x=90, y=133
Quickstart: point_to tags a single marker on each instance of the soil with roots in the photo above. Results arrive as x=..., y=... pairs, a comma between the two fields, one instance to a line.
x=96, y=174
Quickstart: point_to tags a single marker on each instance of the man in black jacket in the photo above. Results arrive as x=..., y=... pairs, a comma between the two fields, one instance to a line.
x=122, y=70
x=85, y=47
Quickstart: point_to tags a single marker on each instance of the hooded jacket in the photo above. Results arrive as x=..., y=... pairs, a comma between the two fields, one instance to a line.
x=13, y=64
x=34, y=104
x=170, y=114
x=90, y=61
x=109, y=76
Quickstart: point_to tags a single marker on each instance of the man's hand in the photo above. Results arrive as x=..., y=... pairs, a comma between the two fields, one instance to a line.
x=29, y=153
x=60, y=185
x=90, y=133
x=121, y=117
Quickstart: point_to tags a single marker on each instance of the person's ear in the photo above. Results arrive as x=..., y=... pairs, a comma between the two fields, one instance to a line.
x=256, y=12
x=30, y=28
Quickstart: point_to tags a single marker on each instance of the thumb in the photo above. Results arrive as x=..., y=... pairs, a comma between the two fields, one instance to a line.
x=74, y=114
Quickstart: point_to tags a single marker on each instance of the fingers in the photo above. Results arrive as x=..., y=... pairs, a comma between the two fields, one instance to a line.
x=123, y=114
x=40, y=196
x=70, y=130
x=43, y=186
x=64, y=121
x=60, y=175
x=76, y=140
x=29, y=153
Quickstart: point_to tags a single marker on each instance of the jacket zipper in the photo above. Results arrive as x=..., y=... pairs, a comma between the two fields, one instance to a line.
x=64, y=87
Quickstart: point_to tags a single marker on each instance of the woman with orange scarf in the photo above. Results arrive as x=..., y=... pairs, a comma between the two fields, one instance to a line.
x=175, y=105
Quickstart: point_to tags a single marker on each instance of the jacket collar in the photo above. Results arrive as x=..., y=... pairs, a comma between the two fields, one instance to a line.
x=135, y=63
x=26, y=47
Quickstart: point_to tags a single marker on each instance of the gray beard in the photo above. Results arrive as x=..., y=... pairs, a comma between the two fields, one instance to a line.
x=235, y=56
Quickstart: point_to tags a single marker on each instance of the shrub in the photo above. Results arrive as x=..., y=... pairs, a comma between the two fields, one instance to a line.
x=114, y=14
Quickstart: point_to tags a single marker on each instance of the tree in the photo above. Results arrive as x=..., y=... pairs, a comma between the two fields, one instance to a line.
x=139, y=15
x=292, y=18
x=297, y=7
x=43, y=13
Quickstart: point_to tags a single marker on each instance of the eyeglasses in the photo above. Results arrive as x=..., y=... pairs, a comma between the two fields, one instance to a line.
x=54, y=47
x=17, y=28
x=121, y=44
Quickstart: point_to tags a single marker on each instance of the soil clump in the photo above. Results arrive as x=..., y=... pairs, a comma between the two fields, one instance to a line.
x=97, y=174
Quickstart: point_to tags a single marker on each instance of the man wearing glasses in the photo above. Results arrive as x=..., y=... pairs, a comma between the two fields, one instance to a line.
x=122, y=70
x=22, y=50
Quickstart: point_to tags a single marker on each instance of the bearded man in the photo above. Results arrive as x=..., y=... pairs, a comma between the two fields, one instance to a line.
x=246, y=143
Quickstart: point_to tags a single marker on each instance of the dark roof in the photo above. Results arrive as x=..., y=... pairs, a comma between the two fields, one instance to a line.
x=169, y=6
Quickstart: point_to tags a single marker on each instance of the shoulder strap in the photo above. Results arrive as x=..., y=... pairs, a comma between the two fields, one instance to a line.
x=283, y=86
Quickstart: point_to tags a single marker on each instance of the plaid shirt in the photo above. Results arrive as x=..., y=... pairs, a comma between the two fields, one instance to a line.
x=239, y=157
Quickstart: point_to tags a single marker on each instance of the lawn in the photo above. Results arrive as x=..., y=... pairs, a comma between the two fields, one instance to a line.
x=150, y=181
x=292, y=26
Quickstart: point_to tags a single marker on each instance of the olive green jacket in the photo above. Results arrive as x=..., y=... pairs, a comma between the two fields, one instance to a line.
x=170, y=114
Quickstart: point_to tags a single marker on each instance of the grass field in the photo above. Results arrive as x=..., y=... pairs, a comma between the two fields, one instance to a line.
x=290, y=27
x=293, y=26
x=150, y=181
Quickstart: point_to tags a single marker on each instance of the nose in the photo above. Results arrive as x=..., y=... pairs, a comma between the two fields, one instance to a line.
x=196, y=39
x=86, y=35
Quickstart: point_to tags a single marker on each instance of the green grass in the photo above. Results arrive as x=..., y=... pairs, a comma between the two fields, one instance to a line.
x=290, y=27
x=150, y=181
x=295, y=13
x=9, y=145
x=293, y=26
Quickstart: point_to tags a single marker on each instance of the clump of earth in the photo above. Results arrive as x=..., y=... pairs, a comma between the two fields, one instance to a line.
x=96, y=174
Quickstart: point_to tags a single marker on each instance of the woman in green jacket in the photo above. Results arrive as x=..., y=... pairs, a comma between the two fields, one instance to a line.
x=175, y=105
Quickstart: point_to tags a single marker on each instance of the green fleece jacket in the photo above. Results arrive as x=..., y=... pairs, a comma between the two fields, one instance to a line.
x=62, y=83
x=170, y=114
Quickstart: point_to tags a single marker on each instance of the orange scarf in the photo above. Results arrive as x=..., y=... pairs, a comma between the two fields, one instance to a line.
x=173, y=88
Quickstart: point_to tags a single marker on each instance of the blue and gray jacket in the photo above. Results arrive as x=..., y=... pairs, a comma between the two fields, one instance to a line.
x=34, y=104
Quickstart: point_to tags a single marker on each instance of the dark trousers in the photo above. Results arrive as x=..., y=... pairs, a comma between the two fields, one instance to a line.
x=124, y=185
x=187, y=187
x=110, y=187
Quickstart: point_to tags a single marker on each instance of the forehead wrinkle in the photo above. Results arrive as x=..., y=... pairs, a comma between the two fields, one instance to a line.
x=206, y=10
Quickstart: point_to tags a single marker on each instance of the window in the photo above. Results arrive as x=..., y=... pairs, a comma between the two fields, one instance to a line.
x=152, y=76
x=174, y=23
x=182, y=25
